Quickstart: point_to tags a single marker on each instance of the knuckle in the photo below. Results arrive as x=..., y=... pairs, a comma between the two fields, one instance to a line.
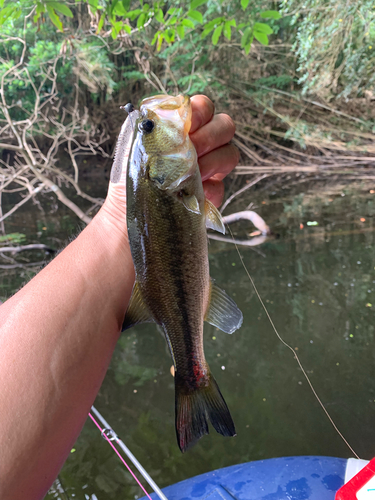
x=236, y=153
x=228, y=124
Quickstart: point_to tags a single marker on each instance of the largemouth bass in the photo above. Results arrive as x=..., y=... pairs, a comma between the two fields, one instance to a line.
x=167, y=216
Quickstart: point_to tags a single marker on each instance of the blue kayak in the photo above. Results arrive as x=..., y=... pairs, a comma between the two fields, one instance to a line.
x=287, y=478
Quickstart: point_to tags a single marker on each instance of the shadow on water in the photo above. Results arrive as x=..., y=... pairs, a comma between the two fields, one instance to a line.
x=318, y=283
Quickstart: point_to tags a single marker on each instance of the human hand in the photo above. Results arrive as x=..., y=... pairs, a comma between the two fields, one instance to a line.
x=210, y=135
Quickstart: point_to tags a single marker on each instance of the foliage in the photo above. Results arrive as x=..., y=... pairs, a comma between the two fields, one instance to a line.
x=174, y=20
x=335, y=45
x=47, y=53
x=99, y=54
x=15, y=238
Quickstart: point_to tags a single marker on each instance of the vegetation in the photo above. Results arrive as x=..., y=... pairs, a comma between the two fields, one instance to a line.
x=297, y=77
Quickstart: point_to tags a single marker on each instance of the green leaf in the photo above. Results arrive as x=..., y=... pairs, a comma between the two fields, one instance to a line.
x=141, y=20
x=217, y=33
x=248, y=45
x=270, y=14
x=197, y=3
x=16, y=14
x=126, y=4
x=127, y=28
x=247, y=34
x=261, y=37
x=6, y=13
x=93, y=5
x=60, y=7
x=244, y=4
x=196, y=15
x=160, y=41
x=113, y=5
x=181, y=31
x=119, y=9
x=156, y=36
x=263, y=28
x=54, y=17
x=188, y=23
x=100, y=24
x=116, y=28
x=169, y=35
x=2, y=3
x=159, y=16
x=211, y=25
x=227, y=30
x=39, y=9
x=133, y=14
x=172, y=20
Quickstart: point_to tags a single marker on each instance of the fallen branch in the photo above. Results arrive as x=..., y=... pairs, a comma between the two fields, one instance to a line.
x=252, y=217
x=257, y=240
x=16, y=266
x=24, y=200
x=23, y=248
x=240, y=191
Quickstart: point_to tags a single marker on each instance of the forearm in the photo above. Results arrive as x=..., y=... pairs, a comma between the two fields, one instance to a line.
x=57, y=336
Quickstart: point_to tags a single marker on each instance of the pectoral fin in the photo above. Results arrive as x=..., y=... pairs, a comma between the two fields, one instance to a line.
x=191, y=203
x=222, y=311
x=137, y=311
x=213, y=217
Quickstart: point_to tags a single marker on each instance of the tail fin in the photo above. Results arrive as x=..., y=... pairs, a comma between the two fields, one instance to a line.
x=195, y=407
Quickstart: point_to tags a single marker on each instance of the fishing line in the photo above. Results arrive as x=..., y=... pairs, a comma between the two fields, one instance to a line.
x=119, y=455
x=291, y=349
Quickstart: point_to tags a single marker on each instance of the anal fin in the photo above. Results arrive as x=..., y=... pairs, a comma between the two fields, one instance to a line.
x=137, y=311
x=222, y=311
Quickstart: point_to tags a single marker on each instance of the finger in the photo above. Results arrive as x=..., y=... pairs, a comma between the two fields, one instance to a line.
x=219, y=162
x=203, y=110
x=216, y=133
x=214, y=191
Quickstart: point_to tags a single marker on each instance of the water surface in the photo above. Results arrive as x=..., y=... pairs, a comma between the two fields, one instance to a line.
x=318, y=283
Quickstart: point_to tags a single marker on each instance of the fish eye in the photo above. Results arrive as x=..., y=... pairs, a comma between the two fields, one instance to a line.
x=147, y=126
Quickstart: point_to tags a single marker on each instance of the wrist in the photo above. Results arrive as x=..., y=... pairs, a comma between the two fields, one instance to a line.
x=109, y=230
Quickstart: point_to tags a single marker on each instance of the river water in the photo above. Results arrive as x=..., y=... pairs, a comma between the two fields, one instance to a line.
x=317, y=280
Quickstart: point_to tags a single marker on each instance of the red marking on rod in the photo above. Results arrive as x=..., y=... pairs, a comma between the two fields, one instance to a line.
x=119, y=455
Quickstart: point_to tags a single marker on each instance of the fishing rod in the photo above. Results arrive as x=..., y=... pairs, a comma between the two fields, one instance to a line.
x=110, y=435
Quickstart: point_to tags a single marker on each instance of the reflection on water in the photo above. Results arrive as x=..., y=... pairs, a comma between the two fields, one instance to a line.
x=318, y=283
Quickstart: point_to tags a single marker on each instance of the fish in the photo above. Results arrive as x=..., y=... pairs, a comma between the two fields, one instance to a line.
x=167, y=220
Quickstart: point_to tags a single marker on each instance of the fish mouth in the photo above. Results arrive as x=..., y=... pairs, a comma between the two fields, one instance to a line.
x=175, y=109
